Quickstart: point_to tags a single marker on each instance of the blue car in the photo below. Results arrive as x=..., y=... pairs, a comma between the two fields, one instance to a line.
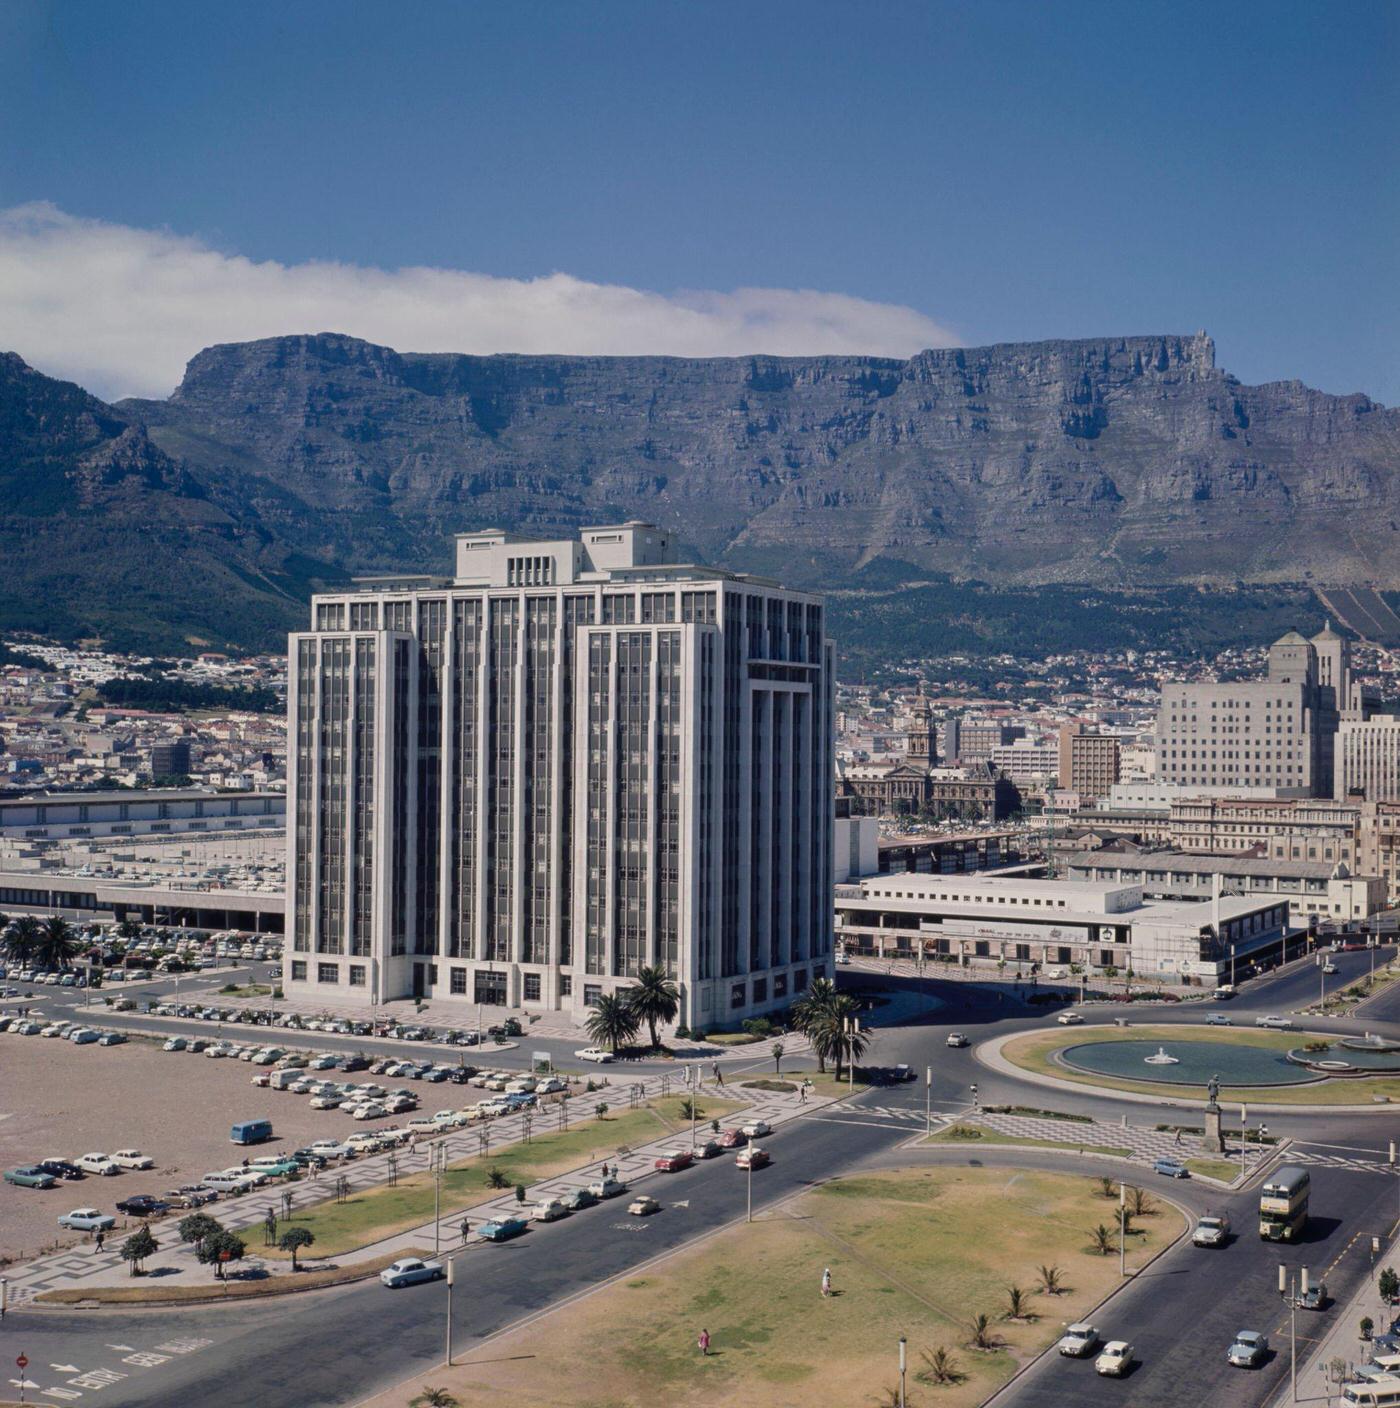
x=504, y=1229
x=1170, y=1168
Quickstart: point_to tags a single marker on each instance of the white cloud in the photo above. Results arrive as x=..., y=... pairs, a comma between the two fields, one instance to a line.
x=120, y=310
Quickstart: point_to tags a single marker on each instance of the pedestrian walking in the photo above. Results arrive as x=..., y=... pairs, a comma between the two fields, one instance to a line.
x=719, y=1076
x=465, y=1228
x=98, y=1241
x=704, y=1341
x=826, y=1282
x=714, y=1069
x=1178, y=1136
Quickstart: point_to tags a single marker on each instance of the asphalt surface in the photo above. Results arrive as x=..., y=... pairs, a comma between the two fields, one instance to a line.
x=339, y=1346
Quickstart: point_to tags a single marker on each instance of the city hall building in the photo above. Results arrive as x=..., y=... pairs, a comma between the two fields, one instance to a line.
x=518, y=785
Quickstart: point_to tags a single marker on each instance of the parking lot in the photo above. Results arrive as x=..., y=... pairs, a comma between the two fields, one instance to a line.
x=60, y=1100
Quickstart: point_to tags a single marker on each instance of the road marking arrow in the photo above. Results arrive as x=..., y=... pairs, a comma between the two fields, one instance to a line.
x=65, y=1368
x=129, y=1348
x=681, y=1203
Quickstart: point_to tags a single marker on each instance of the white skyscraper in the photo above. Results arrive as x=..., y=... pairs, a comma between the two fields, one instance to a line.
x=520, y=784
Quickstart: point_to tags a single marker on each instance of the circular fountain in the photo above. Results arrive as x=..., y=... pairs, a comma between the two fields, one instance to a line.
x=1161, y=1058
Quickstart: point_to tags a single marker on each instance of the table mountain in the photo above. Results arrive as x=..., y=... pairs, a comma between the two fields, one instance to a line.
x=1128, y=463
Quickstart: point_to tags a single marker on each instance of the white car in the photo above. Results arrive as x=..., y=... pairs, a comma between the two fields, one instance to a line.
x=1070, y=1019
x=97, y=1163
x=332, y=1148
x=1113, y=1362
x=326, y=1102
x=1282, y=1023
x=549, y=1210
x=175, y=1043
x=595, y=1053
x=424, y=1124
x=755, y=1129
x=956, y=1039
x=409, y=1270
x=1079, y=1341
x=552, y=1086
x=87, y=1220
x=370, y=1112
x=133, y=1158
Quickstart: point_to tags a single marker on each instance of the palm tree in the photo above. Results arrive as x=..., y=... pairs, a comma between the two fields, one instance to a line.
x=1052, y=1279
x=22, y=939
x=834, y=1035
x=983, y=1337
x=1018, y=1303
x=654, y=998
x=939, y=1368
x=809, y=1009
x=1102, y=1240
x=58, y=944
x=613, y=1021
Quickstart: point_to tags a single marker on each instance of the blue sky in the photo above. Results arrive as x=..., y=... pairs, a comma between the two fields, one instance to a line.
x=1006, y=171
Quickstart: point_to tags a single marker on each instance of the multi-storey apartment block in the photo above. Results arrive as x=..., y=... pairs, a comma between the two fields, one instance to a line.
x=520, y=784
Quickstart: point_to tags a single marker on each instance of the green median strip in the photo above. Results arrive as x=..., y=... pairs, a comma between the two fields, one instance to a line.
x=365, y=1218
x=149, y=1292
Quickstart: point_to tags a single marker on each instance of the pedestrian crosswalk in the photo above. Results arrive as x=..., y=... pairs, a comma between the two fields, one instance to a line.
x=1357, y=1163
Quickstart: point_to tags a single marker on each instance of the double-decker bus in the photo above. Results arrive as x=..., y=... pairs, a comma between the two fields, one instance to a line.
x=1283, y=1204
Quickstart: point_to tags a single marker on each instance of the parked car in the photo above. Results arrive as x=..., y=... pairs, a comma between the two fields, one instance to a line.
x=551, y=1086
x=643, y=1206
x=98, y=1163
x=62, y=1169
x=1079, y=1340
x=1249, y=1350
x=503, y=1229
x=956, y=1039
x=1212, y=1231
x=133, y=1158
x=673, y=1160
x=191, y=1195
x=144, y=1205
x=607, y=1187
x=175, y=1043
x=549, y=1210
x=84, y=1036
x=1170, y=1168
x=29, y=1176
x=370, y=1111
x=1070, y=1019
x=732, y=1138
x=111, y=1039
x=1281, y=1023
x=88, y=1220
x=1218, y=1019
x=409, y=1270
x=580, y=1198
x=595, y=1053
x=1114, y=1359
x=708, y=1149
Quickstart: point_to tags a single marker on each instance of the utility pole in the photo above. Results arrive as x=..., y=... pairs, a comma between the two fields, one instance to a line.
x=749, y=1216
x=903, y=1366
x=438, y=1158
x=451, y=1264
x=1290, y=1292
x=1122, y=1229
x=928, y=1102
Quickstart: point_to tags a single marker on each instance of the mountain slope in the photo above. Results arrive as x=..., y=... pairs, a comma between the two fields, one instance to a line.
x=1122, y=460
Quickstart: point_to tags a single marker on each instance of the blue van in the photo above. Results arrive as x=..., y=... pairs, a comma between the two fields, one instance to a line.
x=251, y=1131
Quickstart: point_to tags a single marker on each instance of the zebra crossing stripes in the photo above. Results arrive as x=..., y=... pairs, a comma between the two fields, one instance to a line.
x=1356, y=1165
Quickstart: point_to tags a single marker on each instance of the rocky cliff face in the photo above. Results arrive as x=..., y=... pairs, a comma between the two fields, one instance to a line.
x=1128, y=460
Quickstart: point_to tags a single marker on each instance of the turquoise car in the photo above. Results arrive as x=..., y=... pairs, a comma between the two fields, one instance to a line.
x=278, y=1168
x=503, y=1229
x=28, y=1176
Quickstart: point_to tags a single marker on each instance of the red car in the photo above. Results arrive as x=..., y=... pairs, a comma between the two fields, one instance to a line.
x=673, y=1160
x=753, y=1157
x=733, y=1139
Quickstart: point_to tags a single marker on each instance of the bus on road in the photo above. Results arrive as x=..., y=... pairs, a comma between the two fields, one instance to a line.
x=1283, y=1204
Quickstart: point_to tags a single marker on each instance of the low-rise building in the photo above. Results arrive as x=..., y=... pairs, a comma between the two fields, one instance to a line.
x=990, y=920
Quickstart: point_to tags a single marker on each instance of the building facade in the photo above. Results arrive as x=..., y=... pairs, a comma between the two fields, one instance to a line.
x=519, y=785
x=1089, y=763
x=1378, y=846
x=1283, y=829
x=1368, y=759
x=1279, y=732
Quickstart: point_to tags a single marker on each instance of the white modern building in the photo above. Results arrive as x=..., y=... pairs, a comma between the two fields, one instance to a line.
x=1368, y=759
x=982, y=920
x=62, y=816
x=520, y=784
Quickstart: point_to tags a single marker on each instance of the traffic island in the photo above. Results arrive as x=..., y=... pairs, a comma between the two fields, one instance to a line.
x=238, y=1287
x=930, y=1253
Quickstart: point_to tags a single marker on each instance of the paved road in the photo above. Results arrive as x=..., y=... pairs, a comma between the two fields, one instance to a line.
x=366, y=1338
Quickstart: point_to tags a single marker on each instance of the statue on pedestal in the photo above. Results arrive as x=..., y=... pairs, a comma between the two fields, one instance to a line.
x=1213, y=1092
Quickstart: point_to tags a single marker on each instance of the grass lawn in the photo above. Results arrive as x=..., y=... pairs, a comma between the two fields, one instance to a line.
x=380, y=1212
x=1033, y=1052
x=916, y=1252
x=826, y=1086
x=737, y=1038
x=990, y=1136
x=1222, y=1169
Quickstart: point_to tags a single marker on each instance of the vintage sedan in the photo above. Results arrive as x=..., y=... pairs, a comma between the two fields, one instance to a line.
x=409, y=1270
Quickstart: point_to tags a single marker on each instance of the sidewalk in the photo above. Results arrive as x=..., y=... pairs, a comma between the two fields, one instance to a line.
x=84, y=1267
x=1340, y=1344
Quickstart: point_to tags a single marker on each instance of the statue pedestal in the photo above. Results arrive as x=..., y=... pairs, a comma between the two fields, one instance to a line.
x=1214, y=1142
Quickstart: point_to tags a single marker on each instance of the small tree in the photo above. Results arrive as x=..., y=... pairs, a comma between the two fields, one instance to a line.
x=714, y=1126
x=1140, y=1203
x=690, y=1110
x=519, y=1192
x=1367, y=1325
x=777, y=1049
x=138, y=1247
x=1052, y=1280
x=939, y=1368
x=601, y=1108
x=294, y=1239
x=495, y=1178
x=270, y=1229
x=1101, y=1241
x=1106, y=1189
x=1388, y=1284
x=197, y=1226
x=1017, y=1303
x=219, y=1248
x=982, y=1334
x=434, y=1398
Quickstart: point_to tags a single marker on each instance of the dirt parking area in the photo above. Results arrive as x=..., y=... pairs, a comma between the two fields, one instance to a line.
x=58, y=1100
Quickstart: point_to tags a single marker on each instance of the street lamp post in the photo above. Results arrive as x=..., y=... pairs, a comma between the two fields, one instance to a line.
x=928, y=1102
x=438, y=1152
x=1122, y=1229
x=1290, y=1291
x=903, y=1366
x=451, y=1264
x=749, y=1215
x=1232, y=965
